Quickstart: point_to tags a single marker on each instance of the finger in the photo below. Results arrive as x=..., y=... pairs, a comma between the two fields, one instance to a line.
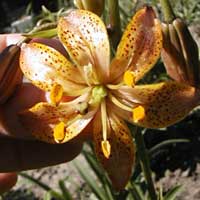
x=7, y=181
x=8, y=39
x=25, y=97
x=17, y=155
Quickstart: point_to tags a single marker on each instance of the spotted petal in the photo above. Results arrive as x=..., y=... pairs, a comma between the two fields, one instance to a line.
x=163, y=104
x=140, y=45
x=41, y=119
x=85, y=38
x=120, y=162
x=45, y=67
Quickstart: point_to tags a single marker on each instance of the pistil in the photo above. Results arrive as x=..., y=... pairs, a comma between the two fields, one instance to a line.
x=99, y=92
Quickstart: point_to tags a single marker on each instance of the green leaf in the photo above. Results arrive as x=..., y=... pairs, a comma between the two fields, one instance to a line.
x=160, y=194
x=93, y=164
x=36, y=181
x=101, y=175
x=166, y=143
x=47, y=196
x=53, y=194
x=42, y=34
x=92, y=183
x=109, y=192
x=136, y=192
x=65, y=192
x=171, y=195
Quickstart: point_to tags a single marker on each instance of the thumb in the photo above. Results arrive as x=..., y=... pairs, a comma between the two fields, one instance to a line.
x=8, y=39
x=7, y=181
x=25, y=97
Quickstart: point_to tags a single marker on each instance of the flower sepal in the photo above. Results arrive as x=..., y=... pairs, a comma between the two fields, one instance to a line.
x=10, y=72
x=180, y=53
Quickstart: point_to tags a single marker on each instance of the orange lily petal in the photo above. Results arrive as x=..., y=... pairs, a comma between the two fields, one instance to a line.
x=164, y=103
x=45, y=67
x=120, y=162
x=85, y=38
x=78, y=126
x=127, y=93
x=141, y=43
x=121, y=113
x=42, y=119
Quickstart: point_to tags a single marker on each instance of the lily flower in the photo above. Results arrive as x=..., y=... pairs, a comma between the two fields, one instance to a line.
x=102, y=95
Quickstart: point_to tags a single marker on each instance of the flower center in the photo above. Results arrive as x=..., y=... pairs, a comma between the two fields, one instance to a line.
x=99, y=92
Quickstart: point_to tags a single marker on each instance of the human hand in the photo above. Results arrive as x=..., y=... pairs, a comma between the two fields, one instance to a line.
x=18, y=150
x=7, y=181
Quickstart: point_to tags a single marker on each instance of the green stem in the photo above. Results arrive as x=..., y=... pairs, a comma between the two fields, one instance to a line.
x=114, y=21
x=167, y=11
x=145, y=164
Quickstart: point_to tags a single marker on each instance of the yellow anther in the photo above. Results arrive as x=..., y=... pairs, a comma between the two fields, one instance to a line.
x=106, y=148
x=138, y=113
x=56, y=94
x=129, y=78
x=59, y=132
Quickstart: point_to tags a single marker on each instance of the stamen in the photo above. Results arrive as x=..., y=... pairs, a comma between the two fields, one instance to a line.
x=56, y=94
x=105, y=145
x=104, y=119
x=129, y=78
x=114, y=87
x=106, y=148
x=119, y=104
x=79, y=92
x=138, y=113
x=90, y=75
x=99, y=92
x=59, y=132
x=87, y=73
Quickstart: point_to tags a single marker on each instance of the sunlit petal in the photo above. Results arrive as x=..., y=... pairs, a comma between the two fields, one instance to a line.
x=117, y=68
x=45, y=67
x=78, y=126
x=120, y=162
x=141, y=43
x=121, y=113
x=164, y=103
x=129, y=94
x=85, y=38
x=41, y=119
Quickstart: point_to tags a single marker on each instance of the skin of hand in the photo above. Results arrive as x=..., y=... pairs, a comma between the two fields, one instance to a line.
x=18, y=150
x=7, y=181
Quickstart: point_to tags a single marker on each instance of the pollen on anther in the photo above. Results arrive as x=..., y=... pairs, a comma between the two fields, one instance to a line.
x=59, y=132
x=106, y=148
x=129, y=78
x=56, y=93
x=138, y=113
